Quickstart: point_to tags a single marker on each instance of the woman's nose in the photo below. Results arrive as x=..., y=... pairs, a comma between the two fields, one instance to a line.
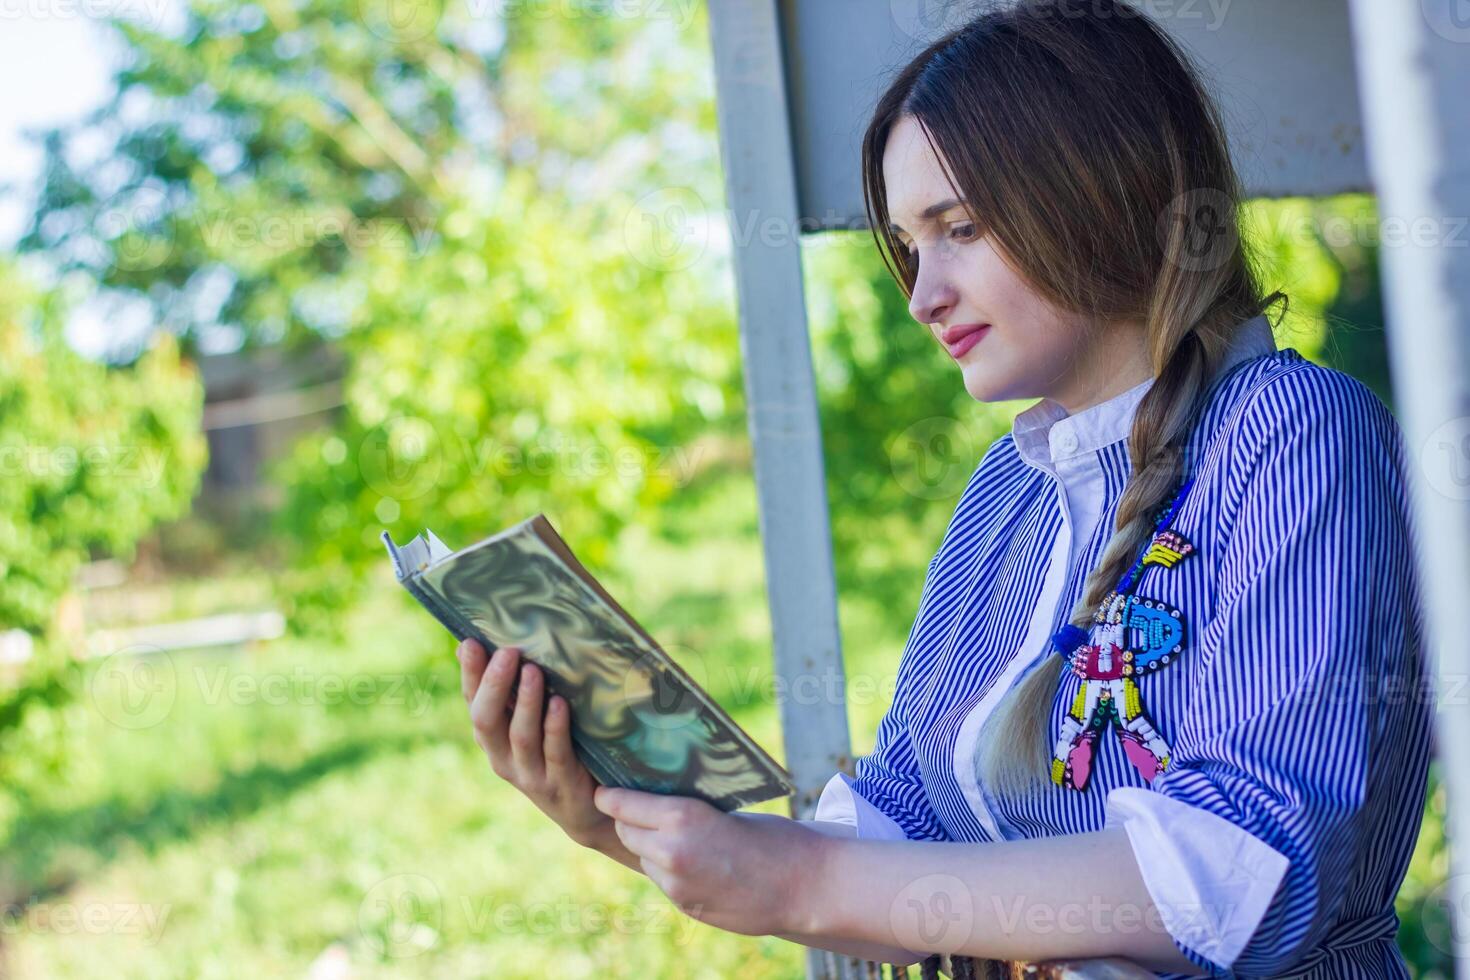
x=933, y=296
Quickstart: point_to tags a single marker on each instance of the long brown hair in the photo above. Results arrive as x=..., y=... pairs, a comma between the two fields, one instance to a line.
x=1084, y=144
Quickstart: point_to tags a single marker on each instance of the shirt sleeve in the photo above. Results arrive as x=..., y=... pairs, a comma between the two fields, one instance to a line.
x=1246, y=840
x=887, y=800
x=840, y=803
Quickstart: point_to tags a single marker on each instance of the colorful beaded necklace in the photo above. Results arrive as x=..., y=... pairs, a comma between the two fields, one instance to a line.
x=1110, y=668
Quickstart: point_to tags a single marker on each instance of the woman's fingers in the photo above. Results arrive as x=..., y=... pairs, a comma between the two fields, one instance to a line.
x=530, y=745
x=526, y=736
x=471, y=666
x=487, y=707
x=561, y=760
x=641, y=841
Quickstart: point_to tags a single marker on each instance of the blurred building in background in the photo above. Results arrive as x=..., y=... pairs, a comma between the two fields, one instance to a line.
x=257, y=402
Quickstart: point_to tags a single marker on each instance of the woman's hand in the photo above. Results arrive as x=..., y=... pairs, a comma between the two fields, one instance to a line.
x=530, y=744
x=742, y=872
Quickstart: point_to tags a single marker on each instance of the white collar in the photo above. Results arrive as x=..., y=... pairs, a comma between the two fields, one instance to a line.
x=1045, y=434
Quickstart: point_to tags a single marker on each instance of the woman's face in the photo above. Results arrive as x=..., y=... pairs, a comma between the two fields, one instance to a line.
x=1027, y=348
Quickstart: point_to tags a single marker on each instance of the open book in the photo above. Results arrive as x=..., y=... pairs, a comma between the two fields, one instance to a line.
x=638, y=720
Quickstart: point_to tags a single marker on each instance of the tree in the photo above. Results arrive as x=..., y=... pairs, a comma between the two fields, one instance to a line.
x=91, y=459
x=93, y=456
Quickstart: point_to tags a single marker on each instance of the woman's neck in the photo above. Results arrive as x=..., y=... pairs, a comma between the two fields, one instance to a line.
x=1116, y=363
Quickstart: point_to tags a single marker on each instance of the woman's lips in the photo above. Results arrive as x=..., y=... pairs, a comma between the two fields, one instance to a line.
x=959, y=340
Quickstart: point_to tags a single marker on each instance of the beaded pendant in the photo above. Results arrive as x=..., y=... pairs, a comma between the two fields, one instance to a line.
x=1109, y=666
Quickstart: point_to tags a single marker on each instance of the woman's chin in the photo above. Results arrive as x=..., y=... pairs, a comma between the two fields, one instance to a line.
x=982, y=384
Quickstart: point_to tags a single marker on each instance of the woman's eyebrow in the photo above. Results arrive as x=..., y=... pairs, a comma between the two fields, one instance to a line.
x=931, y=212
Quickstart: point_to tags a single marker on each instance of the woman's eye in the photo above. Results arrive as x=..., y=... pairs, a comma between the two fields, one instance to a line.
x=963, y=232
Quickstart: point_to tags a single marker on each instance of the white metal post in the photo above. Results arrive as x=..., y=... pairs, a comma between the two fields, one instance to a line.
x=760, y=186
x=1414, y=73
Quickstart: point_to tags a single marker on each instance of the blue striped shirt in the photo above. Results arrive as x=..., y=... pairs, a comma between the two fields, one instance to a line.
x=1298, y=714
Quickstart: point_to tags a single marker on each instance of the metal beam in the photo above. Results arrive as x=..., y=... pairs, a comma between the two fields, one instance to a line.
x=781, y=400
x=1282, y=71
x=1414, y=70
x=780, y=393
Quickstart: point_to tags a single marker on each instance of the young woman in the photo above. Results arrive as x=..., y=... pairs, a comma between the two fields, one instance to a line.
x=1162, y=699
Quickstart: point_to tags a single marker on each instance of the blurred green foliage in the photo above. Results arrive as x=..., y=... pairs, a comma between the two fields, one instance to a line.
x=92, y=456
x=522, y=363
x=491, y=221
